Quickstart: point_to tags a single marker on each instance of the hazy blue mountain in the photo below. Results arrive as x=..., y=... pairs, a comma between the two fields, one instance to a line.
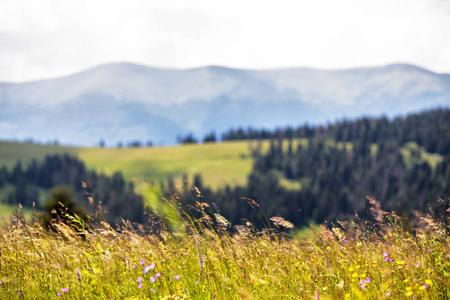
x=123, y=101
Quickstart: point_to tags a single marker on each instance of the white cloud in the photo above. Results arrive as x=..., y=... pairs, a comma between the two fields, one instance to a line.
x=40, y=39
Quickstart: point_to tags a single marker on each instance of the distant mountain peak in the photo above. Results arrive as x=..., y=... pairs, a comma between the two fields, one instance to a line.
x=125, y=101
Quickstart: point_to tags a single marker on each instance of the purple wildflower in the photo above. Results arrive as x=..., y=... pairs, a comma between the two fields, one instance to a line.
x=142, y=262
x=134, y=266
x=367, y=280
x=388, y=294
x=153, y=291
x=78, y=272
x=59, y=294
x=146, y=269
x=139, y=286
x=417, y=265
x=152, y=266
x=425, y=286
x=139, y=280
x=177, y=277
x=152, y=279
x=157, y=275
x=361, y=285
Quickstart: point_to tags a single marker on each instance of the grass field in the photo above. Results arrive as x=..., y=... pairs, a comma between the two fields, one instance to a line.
x=202, y=262
x=219, y=164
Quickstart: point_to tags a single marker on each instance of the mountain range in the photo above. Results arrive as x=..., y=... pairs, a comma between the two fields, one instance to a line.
x=125, y=102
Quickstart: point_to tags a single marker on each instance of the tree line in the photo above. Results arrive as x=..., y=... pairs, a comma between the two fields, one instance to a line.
x=110, y=197
x=333, y=170
x=430, y=129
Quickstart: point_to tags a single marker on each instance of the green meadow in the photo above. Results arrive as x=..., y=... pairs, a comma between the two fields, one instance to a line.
x=218, y=163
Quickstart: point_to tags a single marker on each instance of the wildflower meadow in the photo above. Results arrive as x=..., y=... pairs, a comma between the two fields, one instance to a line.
x=200, y=258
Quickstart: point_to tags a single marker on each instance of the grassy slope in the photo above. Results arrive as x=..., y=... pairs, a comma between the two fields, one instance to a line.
x=219, y=164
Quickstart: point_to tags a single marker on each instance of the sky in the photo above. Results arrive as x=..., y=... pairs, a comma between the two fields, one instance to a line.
x=52, y=38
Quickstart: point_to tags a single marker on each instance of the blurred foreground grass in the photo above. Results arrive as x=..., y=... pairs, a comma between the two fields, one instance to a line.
x=199, y=260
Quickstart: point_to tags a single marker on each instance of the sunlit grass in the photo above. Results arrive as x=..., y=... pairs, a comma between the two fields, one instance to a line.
x=421, y=155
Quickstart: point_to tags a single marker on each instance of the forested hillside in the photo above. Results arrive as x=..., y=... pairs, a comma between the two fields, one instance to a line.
x=303, y=174
x=429, y=129
x=111, y=198
x=404, y=163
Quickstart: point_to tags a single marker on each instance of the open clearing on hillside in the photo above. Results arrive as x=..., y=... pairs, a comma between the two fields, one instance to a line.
x=219, y=164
